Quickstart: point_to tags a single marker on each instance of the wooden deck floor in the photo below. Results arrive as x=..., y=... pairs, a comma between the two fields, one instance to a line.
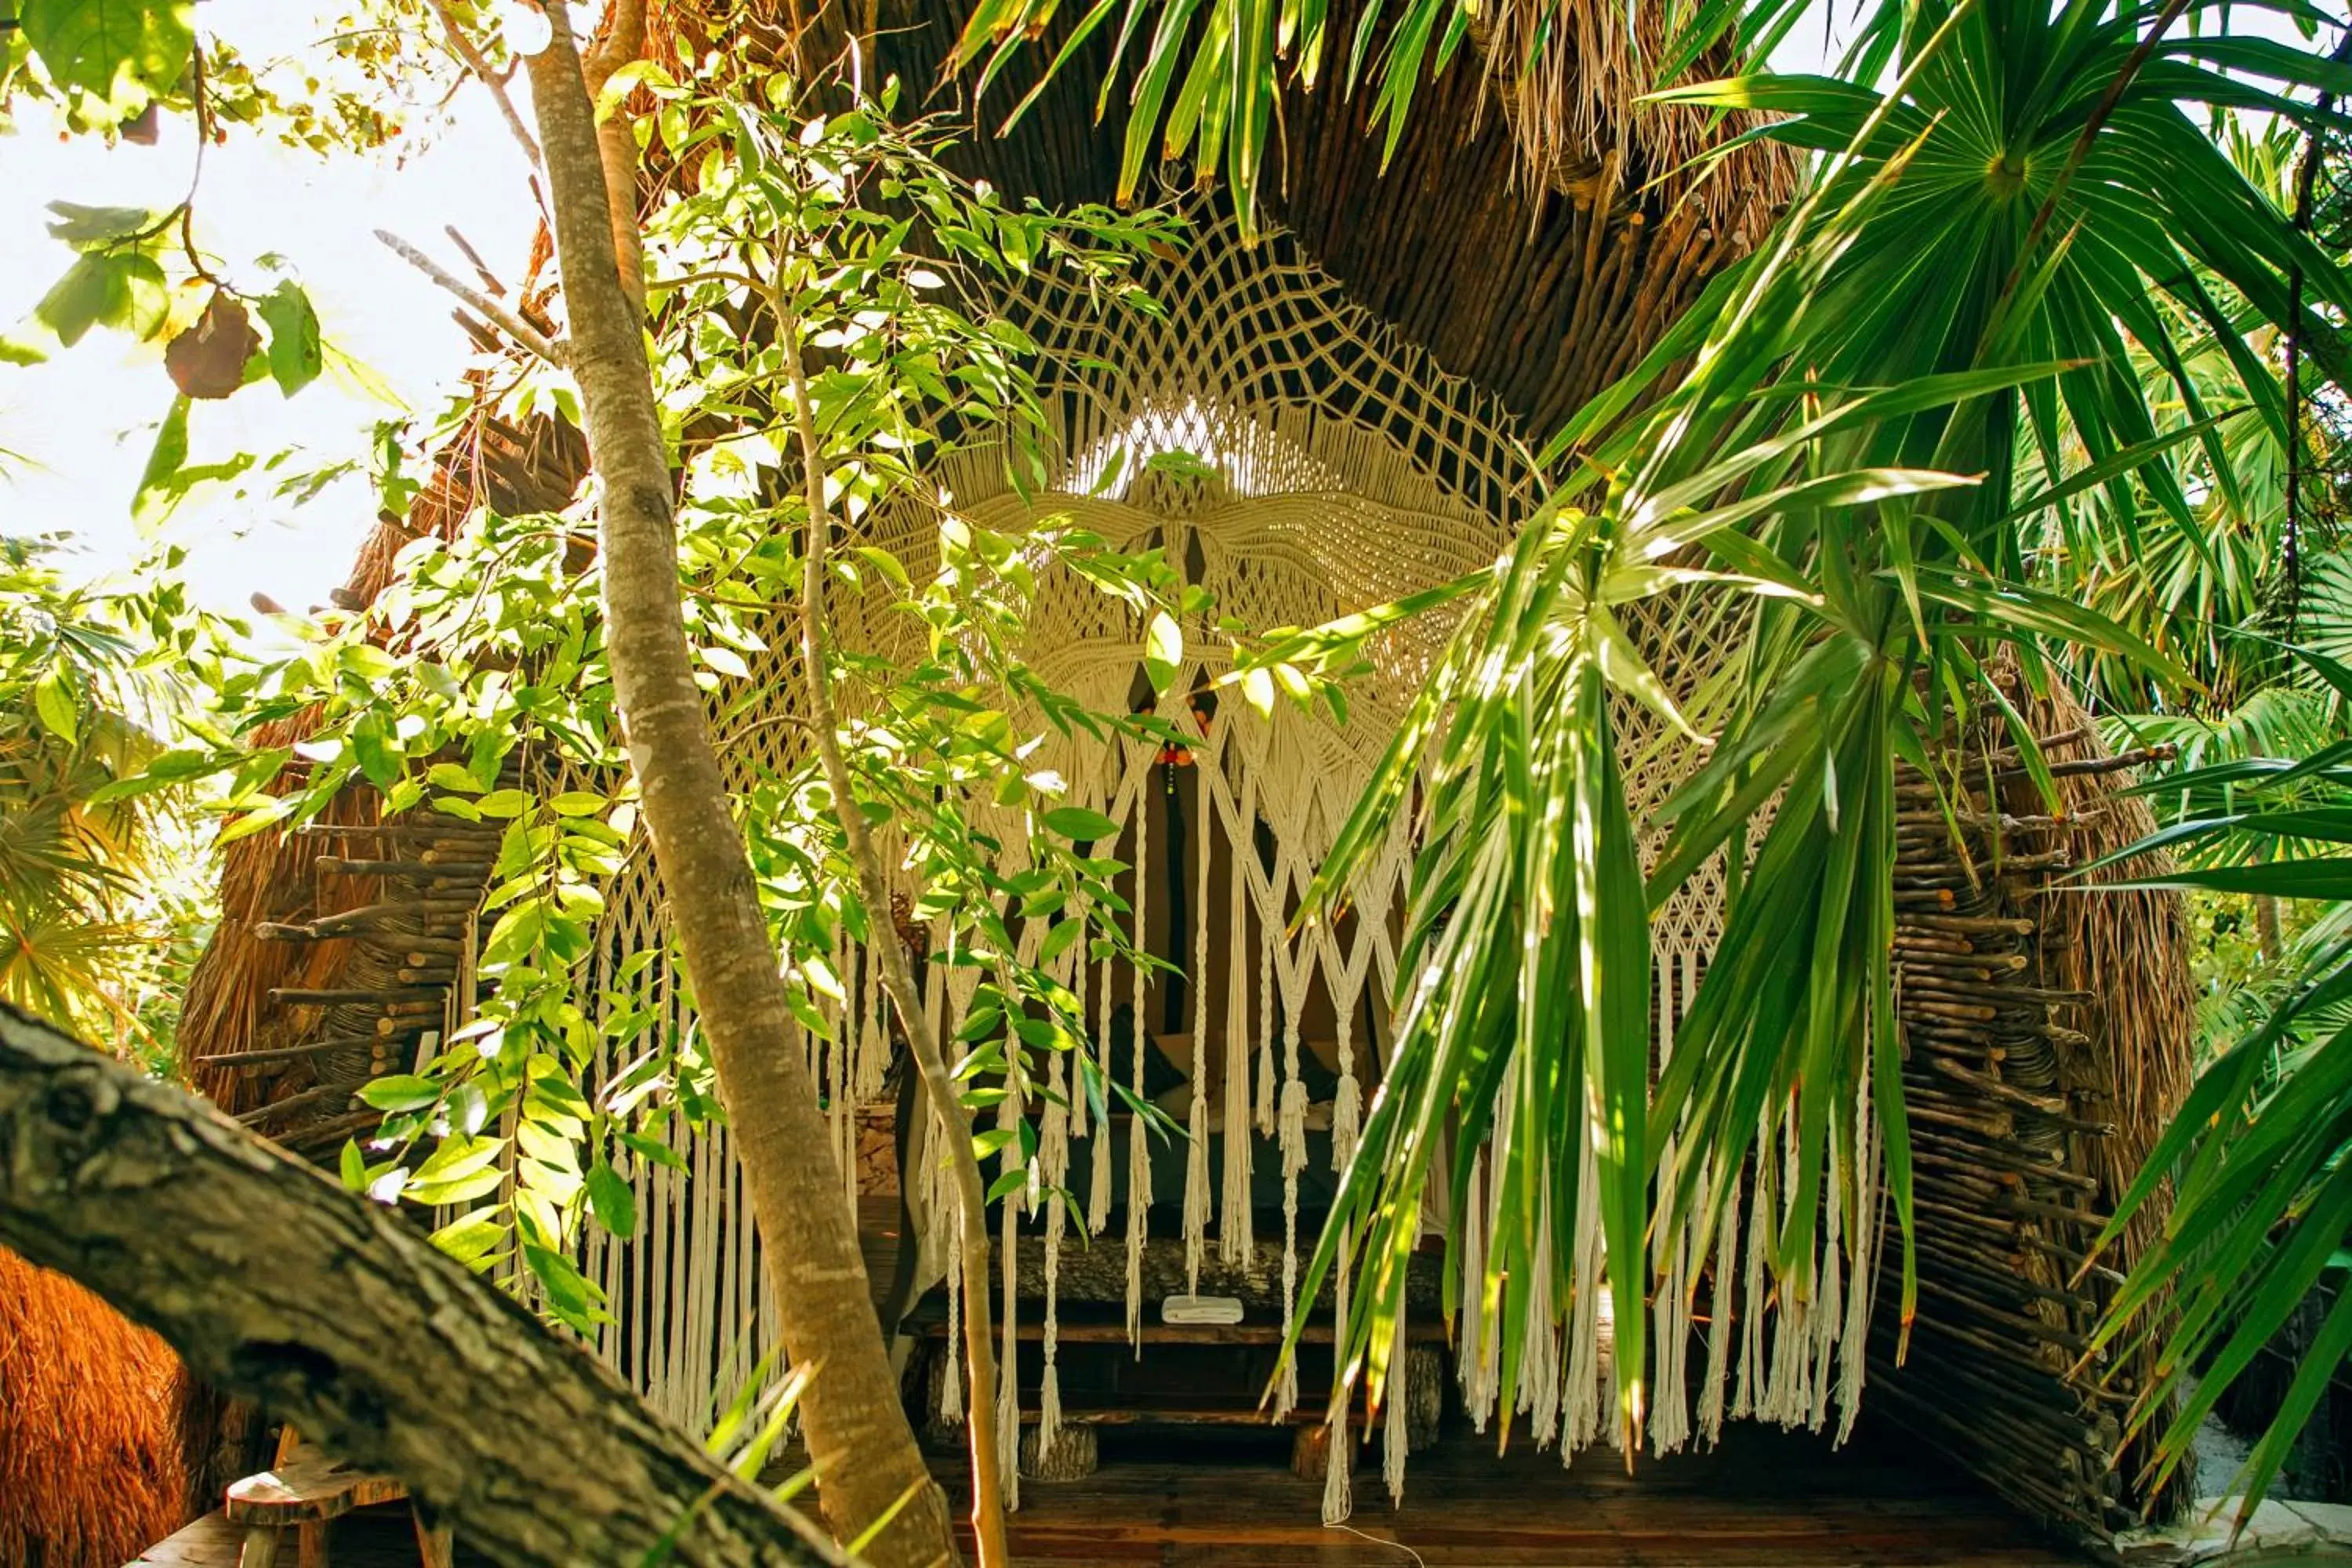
x=1764, y=1499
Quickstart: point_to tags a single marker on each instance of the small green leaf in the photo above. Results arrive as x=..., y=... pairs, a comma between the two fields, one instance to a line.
x=373, y=748
x=653, y=1149
x=55, y=704
x=157, y=491
x=294, y=354
x=612, y=1199
x=570, y=1296
x=79, y=225
x=1257, y=687
x=1080, y=825
x=885, y=563
x=472, y=1239
x=1163, y=650
x=1059, y=940
x=75, y=301
x=503, y=803
x=119, y=289
x=122, y=52
x=451, y=777
x=726, y=661
x=400, y=1092
x=462, y=1189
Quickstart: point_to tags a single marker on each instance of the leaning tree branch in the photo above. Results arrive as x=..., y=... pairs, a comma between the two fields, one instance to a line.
x=482, y=304
x=497, y=84
x=338, y=1314
x=869, y=1471
x=897, y=972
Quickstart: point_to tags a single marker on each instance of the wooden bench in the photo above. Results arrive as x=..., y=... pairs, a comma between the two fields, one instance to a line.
x=303, y=1493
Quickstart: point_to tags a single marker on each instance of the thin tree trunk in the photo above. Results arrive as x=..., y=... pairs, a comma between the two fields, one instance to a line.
x=898, y=977
x=617, y=143
x=337, y=1313
x=865, y=1453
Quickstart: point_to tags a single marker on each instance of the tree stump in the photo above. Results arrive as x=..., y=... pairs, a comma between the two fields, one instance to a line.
x=1075, y=1454
x=936, y=1431
x=1311, y=1451
x=1424, y=1395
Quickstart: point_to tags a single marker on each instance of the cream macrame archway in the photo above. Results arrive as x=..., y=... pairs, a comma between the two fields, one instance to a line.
x=1347, y=469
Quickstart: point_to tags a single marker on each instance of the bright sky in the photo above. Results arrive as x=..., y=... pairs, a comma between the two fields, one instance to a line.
x=86, y=419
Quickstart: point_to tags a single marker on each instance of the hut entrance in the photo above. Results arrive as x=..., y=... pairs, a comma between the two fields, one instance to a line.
x=1296, y=459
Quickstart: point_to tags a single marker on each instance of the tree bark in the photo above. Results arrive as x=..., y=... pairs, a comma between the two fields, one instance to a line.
x=867, y=1462
x=898, y=977
x=334, y=1312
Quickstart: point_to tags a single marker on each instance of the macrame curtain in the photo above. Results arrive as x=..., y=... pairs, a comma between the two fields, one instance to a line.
x=1347, y=469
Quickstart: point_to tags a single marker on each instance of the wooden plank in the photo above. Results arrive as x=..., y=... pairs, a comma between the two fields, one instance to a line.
x=1161, y=1414
x=932, y=1322
x=380, y=1537
x=310, y=1487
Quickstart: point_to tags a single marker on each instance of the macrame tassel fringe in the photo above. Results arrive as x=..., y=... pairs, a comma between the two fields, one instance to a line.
x=1266, y=939
x=1293, y=1130
x=1139, y=1153
x=1196, y=1155
x=1293, y=1140
x=1138, y=1207
x=1196, y=1184
x=1539, y=1370
x=1008, y=1354
x=1582, y=1404
x=1719, y=1329
x=1746, y=1403
x=1338, y=1500
x=1476, y=1365
x=1394, y=1438
x=1669, y=1391
x=1869, y=1222
x=1346, y=1115
x=873, y=1044
x=1053, y=1160
x=1099, y=1143
x=1098, y=1184
x=951, y=1387
x=1236, y=1237
x=1340, y=1450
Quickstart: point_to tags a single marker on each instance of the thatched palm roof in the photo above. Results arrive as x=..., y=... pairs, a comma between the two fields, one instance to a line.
x=90, y=1466
x=1533, y=234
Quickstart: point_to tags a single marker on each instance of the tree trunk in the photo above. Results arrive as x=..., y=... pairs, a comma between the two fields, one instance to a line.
x=272, y=1281
x=899, y=979
x=865, y=1453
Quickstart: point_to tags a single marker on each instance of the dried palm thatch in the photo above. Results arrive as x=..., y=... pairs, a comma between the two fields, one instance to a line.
x=2129, y=950
x=2048, y=1035
x=91, y=1467
x=1568, y=77
x=247, y=1049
